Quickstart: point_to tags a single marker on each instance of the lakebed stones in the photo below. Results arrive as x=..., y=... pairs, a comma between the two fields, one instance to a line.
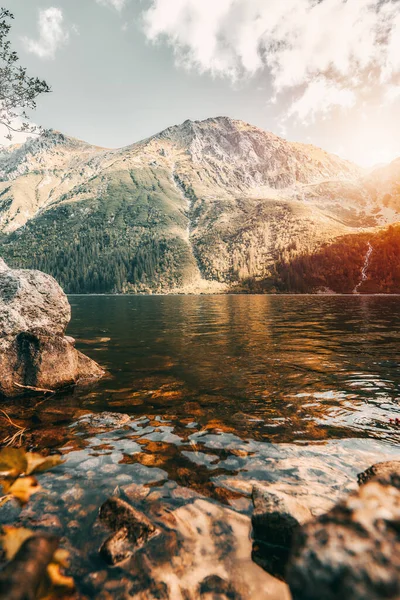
x=34, y=352
x=352, y=552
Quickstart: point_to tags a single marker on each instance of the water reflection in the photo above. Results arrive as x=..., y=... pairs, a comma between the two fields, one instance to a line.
x=289, y=368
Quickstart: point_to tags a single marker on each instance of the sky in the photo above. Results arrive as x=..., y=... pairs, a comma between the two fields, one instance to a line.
x=325, y=72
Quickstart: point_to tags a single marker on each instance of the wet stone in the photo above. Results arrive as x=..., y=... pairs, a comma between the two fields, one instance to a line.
x=117, y=547
x=9, y=512
x=131, y=530
x=73, y=526
x=48, y=522
x=110, y=469
x=72, y=494
x=276, y=515
x=135, y=491
x=105, y=420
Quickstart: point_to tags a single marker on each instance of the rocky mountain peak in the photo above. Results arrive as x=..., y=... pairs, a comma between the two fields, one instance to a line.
x=17, y=160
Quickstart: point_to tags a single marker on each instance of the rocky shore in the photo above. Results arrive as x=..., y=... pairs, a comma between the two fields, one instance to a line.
x=351, y=552
x=35, y=353
x=141, y=535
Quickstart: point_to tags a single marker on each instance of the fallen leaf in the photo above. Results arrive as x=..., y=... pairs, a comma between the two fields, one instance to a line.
x=13, y=538
x=13, y=462
x=61, y=557
x=23, y=488
x=36, y=463
x=58, y=579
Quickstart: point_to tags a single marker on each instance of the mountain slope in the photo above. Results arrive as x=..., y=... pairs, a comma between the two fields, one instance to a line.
x=199, y=207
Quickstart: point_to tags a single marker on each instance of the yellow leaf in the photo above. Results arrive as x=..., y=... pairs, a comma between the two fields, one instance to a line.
x=6, y=484
x=4, y=499
x=23, y=488
x=12, y=462
x=58, y=579
x=37, y=463
x=61, y=557
x=13, y=538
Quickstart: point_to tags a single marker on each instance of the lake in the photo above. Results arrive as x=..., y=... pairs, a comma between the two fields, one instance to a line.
x=206, y=395
x=269, y=368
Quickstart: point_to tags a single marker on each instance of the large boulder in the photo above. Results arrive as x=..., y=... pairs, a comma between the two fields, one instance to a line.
x=34, y=351
x=352, y=552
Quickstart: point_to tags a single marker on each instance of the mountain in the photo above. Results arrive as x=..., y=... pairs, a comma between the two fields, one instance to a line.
x=200, y=207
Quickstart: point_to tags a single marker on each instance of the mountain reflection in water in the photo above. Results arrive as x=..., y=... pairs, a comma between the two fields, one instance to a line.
x=215, y=393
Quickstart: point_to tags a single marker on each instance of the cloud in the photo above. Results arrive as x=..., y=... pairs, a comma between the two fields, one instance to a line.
x=52, y=34
x=318, y=98
x=117, y=4
x=392, y=93
x=332, y=52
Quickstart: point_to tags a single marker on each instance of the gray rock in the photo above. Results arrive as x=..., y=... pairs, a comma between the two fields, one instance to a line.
x=34, y=352
x=352, y=552
x=387, y=473
x=131, y=530
x=105, y=420
x=275, y=518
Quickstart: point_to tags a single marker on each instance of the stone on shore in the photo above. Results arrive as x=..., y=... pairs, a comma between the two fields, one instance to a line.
x=34, y=351
x=275, y=518
x=387, y=473
x=352, y=552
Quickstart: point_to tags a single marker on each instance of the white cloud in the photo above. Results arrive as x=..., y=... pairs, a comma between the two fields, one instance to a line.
x=335, y=51
x=53, y=34
x=392, y=93
x=117, y=4
x=318, y=98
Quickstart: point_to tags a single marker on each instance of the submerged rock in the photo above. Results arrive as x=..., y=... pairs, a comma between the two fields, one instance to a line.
x=352, y=552
x=131, y=530
x=34, y=352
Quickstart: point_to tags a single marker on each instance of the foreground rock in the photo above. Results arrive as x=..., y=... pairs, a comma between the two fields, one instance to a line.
x=275, y=518
x=203, y=551
x=387, y=473
x=353, y=551
x=34, y=352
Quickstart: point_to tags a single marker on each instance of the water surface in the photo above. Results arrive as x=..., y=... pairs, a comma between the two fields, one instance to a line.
x=271, y=368
x=215, y=393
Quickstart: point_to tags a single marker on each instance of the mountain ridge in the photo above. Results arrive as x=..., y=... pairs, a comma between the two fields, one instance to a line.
x=198, y=207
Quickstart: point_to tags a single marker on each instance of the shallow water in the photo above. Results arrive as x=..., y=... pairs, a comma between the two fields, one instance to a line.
x=220, y=391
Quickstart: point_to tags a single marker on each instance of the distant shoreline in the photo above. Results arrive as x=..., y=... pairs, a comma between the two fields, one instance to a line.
x=238, y=294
